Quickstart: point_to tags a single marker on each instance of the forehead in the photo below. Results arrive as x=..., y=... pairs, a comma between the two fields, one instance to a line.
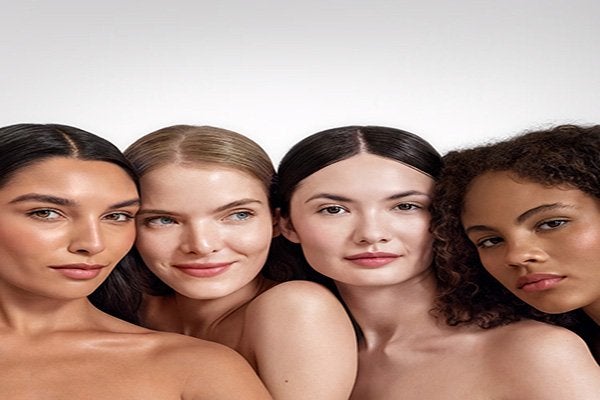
x=502, y=192
x=367, y=172
x=72, y=177
x=182, y=182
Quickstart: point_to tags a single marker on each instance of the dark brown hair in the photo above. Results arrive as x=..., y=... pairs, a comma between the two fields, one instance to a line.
x=566, y=155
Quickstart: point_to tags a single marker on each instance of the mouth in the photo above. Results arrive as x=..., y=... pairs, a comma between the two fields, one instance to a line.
x=372, y=260
x=539, y=282
x=203, y=270
x=79, y=271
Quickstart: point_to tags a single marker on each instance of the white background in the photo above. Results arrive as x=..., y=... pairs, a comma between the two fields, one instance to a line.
x=456, y=72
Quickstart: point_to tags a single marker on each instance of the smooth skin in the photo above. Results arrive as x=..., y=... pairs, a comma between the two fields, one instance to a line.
x=205, y=230
x=66, y=223
x=542, y=243
x=371, y=204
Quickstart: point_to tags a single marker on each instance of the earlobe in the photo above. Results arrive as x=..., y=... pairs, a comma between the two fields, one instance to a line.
x=286, y=228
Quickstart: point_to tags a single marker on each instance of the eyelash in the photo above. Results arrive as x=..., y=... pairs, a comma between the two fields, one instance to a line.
x=331, y=210
x=43, y=214
x=125, y=215
x=231, y=217
x=559, y=221
x=411, y=207
x=402, y=207
x=36, y=214
x=154, y=221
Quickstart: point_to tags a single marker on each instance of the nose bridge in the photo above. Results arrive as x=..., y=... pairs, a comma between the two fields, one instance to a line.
x=371, y=227
x=87, y=235
x=201, y=237
x=522, y=250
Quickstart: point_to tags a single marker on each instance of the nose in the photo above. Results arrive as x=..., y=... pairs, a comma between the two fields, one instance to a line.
x=87, y=237
x=524, y=252
x=201, y=238
x=370, y=229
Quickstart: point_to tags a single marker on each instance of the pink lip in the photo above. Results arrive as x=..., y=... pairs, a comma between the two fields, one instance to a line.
x=538, y=282
x=79, y=271
x=203, y=270
x=372, y=260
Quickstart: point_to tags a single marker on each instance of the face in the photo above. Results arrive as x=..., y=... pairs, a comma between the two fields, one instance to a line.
x=204, y=230
x=542, y=243
x=363, y=221
x=66, y=223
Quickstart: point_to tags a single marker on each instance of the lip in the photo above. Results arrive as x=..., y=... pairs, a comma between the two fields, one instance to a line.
x=203, y=270
x=79, y=271
x=539, y=282
x=372, y=260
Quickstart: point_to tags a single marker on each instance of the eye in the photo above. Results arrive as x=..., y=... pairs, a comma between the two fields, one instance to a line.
x=486, y=243
x=45, y=214
x=551, y=224
x=119, y=217
x=407, y=207
x=240, y=216
x=332, y=210
x=159, y=221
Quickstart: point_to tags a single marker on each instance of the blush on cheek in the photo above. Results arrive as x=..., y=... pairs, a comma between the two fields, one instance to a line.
x=583, y=245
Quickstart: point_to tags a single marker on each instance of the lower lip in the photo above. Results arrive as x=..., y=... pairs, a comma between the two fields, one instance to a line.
x=542, y=285
x=204, y=272
x=79, y=273
x=372, y=262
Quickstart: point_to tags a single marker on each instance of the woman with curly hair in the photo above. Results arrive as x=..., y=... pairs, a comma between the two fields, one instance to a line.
x=524, y=212
x=355, y=213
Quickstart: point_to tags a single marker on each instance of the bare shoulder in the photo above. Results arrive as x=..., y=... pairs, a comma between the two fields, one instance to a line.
x=303, y=294
x=211, y=370
x=302, y=342
x=297, y=304
x=536, y=339
x=542, y=361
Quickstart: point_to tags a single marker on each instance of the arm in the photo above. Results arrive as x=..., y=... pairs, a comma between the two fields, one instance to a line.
x=303, y=342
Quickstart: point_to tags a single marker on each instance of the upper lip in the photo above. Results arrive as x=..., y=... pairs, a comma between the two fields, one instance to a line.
x=202, y=265
x=78, y=266
x=371, y=255
x=531, y=278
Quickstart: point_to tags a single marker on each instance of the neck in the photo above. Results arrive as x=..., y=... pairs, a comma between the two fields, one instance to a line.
x=200, y=317
x=392, y=313
x=31, y=315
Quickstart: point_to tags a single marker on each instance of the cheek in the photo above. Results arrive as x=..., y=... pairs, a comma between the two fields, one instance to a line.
x=153, y=245
x=253, y=240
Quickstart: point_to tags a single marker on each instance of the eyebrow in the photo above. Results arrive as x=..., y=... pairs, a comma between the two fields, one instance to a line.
x=61, y=201
x=536, y=210
x=523, y=217
x=236, y=203
x=335, y=197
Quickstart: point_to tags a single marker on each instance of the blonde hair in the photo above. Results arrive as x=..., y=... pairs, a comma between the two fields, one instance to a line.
x=192, y=145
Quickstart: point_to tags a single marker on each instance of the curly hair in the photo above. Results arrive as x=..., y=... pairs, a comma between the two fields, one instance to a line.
x=566, y=156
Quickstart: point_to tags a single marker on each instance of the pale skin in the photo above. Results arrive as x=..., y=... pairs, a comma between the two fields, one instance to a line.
x=542, y=243
x=205, y=230
x=66, y=223
x=372, y=205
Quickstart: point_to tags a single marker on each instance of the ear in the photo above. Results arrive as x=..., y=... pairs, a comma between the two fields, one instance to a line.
x=275, y=218
x=287, y=229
